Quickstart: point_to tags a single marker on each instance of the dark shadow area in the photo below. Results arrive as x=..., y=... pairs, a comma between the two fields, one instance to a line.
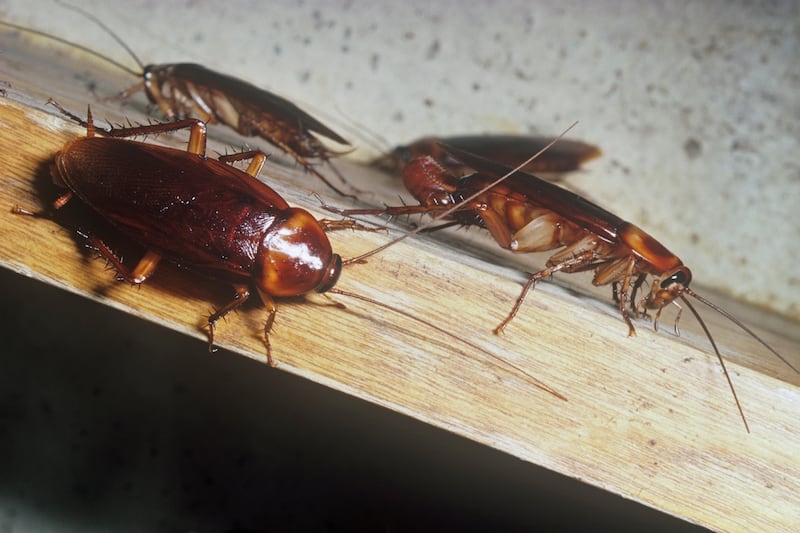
x=114, y=424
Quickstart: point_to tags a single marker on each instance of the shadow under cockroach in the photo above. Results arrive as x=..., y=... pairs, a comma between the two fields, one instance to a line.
x=510, y=150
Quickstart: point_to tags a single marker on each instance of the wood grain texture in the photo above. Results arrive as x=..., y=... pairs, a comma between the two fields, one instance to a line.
x=649, y=418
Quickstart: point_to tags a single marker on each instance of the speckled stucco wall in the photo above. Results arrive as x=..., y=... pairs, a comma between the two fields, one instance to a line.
x=695, y=104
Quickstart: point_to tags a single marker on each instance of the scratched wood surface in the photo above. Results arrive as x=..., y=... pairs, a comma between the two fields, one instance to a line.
x=648, y=418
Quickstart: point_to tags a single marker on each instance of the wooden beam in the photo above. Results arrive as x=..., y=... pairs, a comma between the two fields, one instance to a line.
x=649, y=418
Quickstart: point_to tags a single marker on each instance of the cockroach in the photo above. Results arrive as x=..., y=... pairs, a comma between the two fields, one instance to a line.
x=510, y=150
x=205, y=215
x=526, y=214
x=189, y=90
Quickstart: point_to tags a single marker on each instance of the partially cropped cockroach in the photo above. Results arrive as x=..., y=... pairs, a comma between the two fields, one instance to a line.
x=510, y=150
x=524, y=213
x=189, y=90
x=205, y=215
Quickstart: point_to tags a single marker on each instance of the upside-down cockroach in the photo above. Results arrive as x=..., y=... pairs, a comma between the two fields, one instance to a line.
x=509, y=150
x=189, y=90
x=524, y=214
x=207, y=216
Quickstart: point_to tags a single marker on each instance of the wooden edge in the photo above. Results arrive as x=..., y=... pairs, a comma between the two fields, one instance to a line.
x=649, y=418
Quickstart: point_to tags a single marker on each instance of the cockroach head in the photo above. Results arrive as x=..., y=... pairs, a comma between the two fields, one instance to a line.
x=668, y=287
x=296, y=257
x=153, y=79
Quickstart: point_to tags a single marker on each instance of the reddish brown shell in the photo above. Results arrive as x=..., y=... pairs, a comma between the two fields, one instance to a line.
x=199, y=212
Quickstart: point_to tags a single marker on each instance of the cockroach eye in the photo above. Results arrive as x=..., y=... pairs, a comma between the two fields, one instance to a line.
x=403, y=153
x=332, y=274
x=682, y=276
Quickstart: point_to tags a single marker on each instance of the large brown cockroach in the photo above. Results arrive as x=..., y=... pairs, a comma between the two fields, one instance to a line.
x=208, y=216
x=509, y=150
x=189, y=90
x=524, y=214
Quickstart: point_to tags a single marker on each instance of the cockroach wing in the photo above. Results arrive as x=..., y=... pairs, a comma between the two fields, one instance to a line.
x=198, y=212
x=246, y=98
x=539, y=192
x=510, y=150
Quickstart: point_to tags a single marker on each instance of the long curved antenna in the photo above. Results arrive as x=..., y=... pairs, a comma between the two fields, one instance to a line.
x=747, y=330
x=80, y=47
x=105, y=28
x=456, y=207
x=719, y=356
x=498, y=361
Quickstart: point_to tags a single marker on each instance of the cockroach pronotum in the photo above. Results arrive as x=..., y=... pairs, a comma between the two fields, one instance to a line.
x=509, y=150
x=527, y=214
x=189, y=90
x=208, y=216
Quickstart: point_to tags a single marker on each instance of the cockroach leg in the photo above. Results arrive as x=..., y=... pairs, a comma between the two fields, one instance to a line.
x=442, y=226
x=197, y=129
x=326, y=181
x=340, y=176
x=388, y=211
x=197, y=133
x=88, y=123
x=335, y=225
x=127, y=93
x=141, y=272
x=257, y=160
x=269, y=303
x=62, y=200
x=57, y=204
x=677, y=317
x=255, y=166
x=624, y=294
x=521, y=298
x=145, y=267
x=108, y=254
x=635, y=307
x=568, y=265
x=17, y=210
x=242, y=293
